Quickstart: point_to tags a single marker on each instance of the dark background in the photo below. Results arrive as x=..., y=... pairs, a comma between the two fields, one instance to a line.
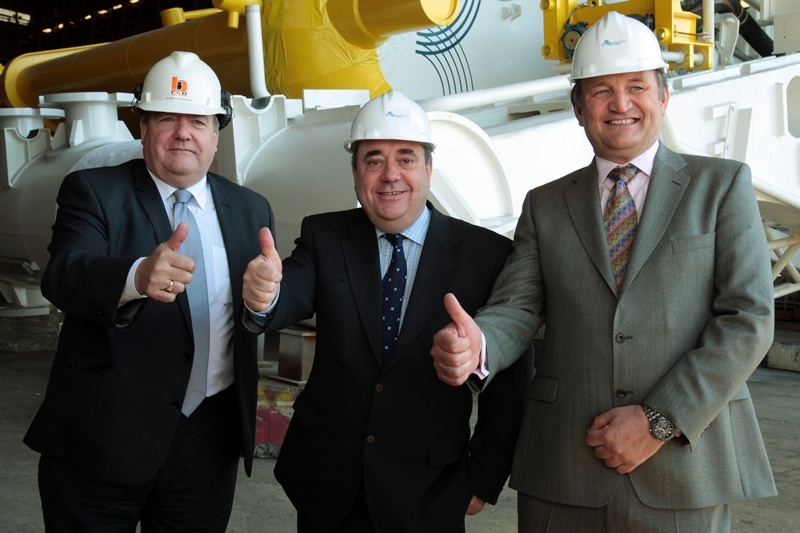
x=21, y=31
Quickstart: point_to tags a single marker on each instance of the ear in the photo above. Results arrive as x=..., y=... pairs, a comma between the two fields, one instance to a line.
x=665, y=101
x=578, y=114
x=142, y=129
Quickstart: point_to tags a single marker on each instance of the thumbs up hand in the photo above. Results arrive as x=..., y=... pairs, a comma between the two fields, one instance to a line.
x=263, y=274
x=165, y=273
x=456, y=347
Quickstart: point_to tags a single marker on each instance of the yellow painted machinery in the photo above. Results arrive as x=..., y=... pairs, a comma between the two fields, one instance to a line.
x=500, y=111
x=676, y=30
x=307, y=44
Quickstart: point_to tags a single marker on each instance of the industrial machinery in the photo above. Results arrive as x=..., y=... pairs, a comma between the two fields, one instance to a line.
x=488, y=72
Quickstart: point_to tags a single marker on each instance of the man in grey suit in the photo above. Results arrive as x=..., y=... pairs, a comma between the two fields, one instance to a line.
x=638, y=418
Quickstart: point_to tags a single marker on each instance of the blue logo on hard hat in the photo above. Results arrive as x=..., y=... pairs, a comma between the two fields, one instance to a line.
x=395, y=115
x=606, y=42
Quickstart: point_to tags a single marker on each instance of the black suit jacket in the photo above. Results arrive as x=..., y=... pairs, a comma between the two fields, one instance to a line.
x=399, y=431
x=119, y=375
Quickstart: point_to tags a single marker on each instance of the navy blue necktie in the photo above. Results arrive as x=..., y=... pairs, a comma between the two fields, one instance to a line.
x=393, y=285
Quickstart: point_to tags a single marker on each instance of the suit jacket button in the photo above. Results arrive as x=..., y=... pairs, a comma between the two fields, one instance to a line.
x=176, y=405
x=379, y=387
x=186, y=356
x=622, y=393
x=620, y=338
x=370, y=439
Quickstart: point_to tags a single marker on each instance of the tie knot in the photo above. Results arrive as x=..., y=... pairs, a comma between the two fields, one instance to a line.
x=182, y=196
x=395, y=238
x=624, y=173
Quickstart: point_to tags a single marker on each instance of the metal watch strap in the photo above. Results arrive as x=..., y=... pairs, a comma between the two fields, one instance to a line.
x=651, y=414
x=653, y=418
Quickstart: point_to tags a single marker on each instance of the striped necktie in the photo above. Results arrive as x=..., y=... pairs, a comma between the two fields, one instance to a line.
x=620, y=221
x=197, y=292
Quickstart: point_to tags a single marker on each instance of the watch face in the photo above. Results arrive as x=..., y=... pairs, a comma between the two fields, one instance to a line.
x=663, y=429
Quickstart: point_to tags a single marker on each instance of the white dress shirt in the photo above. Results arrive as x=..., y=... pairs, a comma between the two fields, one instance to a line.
x=220, y=296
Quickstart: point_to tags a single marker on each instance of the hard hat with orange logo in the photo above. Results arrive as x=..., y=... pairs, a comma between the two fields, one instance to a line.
x=183, y=83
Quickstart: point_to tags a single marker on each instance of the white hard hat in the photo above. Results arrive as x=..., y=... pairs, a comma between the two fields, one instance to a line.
x=391, y=115
x=183, y=83
x=614, y=45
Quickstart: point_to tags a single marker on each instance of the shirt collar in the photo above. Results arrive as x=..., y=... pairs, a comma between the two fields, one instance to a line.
x=415, y=232
x=199, y=190
x=644, y=162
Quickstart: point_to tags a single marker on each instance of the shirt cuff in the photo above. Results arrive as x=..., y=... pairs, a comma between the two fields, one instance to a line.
x=129, y=293
x=482, y=371
x=268, y=311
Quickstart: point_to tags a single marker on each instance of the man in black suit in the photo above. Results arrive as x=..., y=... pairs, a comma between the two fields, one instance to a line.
x=377, y=442
x=122, y=440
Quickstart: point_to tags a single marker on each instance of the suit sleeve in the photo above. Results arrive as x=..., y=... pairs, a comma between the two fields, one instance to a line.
x=740, y=330
x=515, y=311
x=83, y=277
x=500, y=409
x=298, y=287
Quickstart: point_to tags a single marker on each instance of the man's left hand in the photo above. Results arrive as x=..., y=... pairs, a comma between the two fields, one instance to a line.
x=621, y=438
x=476, y=505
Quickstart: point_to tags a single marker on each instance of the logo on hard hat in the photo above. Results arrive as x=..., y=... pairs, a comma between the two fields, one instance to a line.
x=606, y=42
x=395, y=115
x=179, y=87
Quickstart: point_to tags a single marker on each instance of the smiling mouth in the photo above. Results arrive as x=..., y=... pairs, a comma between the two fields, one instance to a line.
x=392, y=193
x=622, y=122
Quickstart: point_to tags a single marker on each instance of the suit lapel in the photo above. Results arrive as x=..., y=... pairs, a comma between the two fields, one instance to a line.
x=230, y=227
x=153, y=206
x=150, y=200
x=667, y=186
x=434, y=270
x=362, y=263
x=583, y=205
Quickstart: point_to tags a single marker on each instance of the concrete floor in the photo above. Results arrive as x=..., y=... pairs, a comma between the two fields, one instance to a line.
x=261, y=505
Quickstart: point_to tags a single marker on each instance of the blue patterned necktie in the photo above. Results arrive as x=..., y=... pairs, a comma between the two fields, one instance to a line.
x=393, y=285
x=197, y=292
x=620, y=221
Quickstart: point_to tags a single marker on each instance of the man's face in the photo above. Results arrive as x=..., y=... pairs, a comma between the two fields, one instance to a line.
x=179, y=148
x=621, y=113
x=392, y=182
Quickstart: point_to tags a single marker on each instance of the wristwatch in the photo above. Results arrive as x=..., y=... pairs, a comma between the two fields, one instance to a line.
x=661, y=428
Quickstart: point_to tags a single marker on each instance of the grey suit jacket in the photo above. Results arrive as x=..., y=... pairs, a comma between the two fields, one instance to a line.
x=691, y=322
